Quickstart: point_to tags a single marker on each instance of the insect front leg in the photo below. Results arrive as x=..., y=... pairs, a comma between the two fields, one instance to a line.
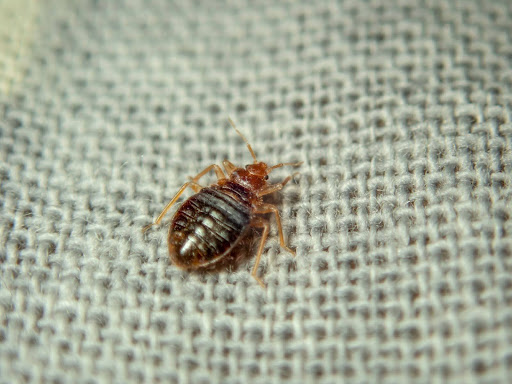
x=218, y=172
x=229, y=166
x=171, y=203
x=269, y=208
x=276, y=187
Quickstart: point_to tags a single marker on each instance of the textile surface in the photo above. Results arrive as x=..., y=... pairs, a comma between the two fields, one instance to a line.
x=401, y=214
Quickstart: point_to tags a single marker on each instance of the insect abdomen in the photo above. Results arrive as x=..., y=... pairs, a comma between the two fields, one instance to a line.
x=206, y=227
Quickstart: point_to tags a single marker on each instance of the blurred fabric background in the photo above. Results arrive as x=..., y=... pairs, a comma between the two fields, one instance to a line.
x=401, y=215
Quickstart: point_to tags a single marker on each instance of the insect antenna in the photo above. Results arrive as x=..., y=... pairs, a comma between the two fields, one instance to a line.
x=284, y=164
x=244, y=139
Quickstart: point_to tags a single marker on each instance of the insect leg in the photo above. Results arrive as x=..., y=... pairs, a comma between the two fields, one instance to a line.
x=196, y=187
x=218, y=172
x=269, y=208
x=258, y=222
x=215, y=167
x=228, y=166
x=170, y=204
x=276, y=187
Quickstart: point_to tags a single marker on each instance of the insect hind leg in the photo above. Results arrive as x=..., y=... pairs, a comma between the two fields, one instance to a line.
x=171, y=203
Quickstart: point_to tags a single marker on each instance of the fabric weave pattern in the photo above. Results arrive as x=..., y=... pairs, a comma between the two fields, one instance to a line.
x=401, y=215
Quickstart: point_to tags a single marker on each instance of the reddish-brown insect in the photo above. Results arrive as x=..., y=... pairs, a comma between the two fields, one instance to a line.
x=209, y=225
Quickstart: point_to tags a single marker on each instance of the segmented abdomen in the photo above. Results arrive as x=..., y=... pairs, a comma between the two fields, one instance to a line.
x=207, y=226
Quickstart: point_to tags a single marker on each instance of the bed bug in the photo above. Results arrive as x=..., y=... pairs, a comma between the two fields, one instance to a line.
x=209, y=225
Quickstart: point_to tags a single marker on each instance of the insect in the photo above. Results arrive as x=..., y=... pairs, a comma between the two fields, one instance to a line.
x=209, y=225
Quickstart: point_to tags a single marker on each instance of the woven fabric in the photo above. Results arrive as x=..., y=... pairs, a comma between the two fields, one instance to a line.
x=401, y=215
